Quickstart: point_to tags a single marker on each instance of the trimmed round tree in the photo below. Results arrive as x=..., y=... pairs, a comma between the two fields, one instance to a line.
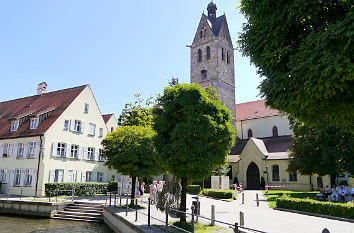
x=194, y=133
x=130, y=150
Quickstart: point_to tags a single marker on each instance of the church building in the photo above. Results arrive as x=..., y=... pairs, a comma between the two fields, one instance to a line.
x=261, y=150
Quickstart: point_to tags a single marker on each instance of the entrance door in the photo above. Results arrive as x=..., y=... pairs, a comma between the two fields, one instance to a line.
x=253, y=179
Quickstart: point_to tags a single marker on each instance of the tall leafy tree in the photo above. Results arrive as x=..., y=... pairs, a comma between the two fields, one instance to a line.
x=131, y=151
x=304, y=50
x=324, y=150
x=194, y=133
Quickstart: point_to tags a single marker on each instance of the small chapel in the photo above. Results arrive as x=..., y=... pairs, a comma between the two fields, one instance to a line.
x=261, y=150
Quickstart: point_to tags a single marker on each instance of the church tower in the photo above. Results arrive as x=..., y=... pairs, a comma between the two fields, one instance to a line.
x=212, y=57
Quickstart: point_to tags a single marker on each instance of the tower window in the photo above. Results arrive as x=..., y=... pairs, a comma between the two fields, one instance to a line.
x=208, y=53
x=227, y=58
x=222, y=54
x=200, y=55
x=201, y=34
x=250, y=133
x=203, y=74
x=275, y=131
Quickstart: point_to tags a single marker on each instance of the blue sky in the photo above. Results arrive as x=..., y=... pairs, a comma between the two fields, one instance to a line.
x=118, y=47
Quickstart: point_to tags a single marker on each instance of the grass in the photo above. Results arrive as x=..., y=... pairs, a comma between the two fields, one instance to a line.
x=273, y=195
x=199, y=227
x=133, y=206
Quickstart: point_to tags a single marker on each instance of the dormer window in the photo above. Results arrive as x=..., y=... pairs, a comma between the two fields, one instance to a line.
x=86, y=108
x=200, y=55
x=14, y=126
x=34, y=123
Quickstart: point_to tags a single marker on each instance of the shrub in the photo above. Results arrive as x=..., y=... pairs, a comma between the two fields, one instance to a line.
x=194, y=189
x=81, y=189
x=221, y=194
x=319, y=207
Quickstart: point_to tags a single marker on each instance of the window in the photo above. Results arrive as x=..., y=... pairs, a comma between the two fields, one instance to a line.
x=20, y=150
x=74, y=151
x=222, y=54
x=100, y=156
x=275, y=173
x=3, y=176
x=203, y=75
x=292, y=177
x=91, y=153
x=14, y=126
x=66, y=124
x=61, y=149
x=86, y=108
x=200, y=55
x=275, y=131
x=250, y=133
x=99, y=176
x=112, y=129
x=113, y=178
x=28, y=177
x=92, y=129
x=59, y=176
x=17, y=181
x=72, y=176
x=227, y=58
x=208, y=53
x=6, y=151
x=77, y=126
x=34, y=123
x=201, y=34
x=88, y=176
x=101, y=132
x=31, y=150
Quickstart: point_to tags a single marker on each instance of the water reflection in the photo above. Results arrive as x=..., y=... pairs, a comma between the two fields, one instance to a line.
x=34, y=225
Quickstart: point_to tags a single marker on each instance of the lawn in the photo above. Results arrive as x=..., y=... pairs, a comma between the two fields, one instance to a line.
x=199, y=228
x=274, y=194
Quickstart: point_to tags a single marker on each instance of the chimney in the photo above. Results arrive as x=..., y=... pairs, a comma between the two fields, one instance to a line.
x=42, y=88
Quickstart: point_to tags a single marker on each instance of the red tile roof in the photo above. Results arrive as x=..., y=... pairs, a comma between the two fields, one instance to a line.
x=106, y=117
x=253, y=110
x=56, y=102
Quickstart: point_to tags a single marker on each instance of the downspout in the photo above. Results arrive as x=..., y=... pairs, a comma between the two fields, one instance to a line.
x=39, y=162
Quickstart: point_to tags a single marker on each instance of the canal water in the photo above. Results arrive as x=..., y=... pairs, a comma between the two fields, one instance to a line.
x=37, y=225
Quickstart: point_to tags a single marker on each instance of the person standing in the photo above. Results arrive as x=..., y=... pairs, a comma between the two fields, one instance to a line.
x=153, y=190
x=142, y=190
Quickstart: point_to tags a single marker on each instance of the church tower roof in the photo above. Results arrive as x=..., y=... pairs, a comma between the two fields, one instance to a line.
x=212, y=11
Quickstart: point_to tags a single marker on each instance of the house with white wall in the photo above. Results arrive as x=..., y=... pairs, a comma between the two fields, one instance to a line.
x=52, y=137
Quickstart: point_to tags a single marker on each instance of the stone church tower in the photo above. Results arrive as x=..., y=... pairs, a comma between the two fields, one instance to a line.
x=212, y=57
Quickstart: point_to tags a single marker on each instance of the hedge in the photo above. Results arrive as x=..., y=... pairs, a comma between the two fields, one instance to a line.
x=319, y=207
x=221, y=194
x=81, y=189
x=194, y=189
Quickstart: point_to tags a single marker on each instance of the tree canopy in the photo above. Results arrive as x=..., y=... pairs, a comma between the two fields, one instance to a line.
x=305, y=52
x=194, y=133
x=323, y=150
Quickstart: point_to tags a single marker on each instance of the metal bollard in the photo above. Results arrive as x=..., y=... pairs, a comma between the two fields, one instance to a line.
x=243, y=198
x=126, y=208
x=149, y=213
x=198, y=209
x=56, y=198
x=110, y=199
x=120, y=200
x=236, y=228
x=166, y=226
x=21, y=195
x=50, y=195
x=242, y=219
x=257, y=199
x=136, y=209
x=72, y=193
x=193, y=219
x=115, y=200
x=212, y=215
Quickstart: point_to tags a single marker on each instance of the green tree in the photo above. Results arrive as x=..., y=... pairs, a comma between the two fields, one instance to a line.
x=194, y=133
x=304, y=50
x=131, y=151
x=323, y=150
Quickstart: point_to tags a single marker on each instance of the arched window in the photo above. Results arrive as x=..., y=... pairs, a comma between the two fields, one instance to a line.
x=201, y=34
x=203, y=74
x=208, y=53
x=275, y=131
x=250, y=133
x=200, y=55
x=227, y=58
x=222, y=54
x=275, y=173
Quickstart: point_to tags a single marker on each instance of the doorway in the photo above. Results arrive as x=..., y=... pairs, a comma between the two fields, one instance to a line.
x=253, y=178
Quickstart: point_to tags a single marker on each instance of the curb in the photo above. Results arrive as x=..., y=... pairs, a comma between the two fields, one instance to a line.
x=315, y=215
x=225, y=200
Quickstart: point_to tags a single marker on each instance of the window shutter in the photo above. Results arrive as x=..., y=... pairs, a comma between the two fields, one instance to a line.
x=12, y=176
x=54, y=149
x=36, y=150
x=61, y=176
x=14, y=150
x=26, y=150
x=82, y=127
x=85, y=153
x=105, y=177
x=96, y=154
x=83, y=176
x=68, y=150
x=51, y=176
x=95, y=176
x=34, y=176
x=75, y=176
x=10, y=148
x=70, y=176
x=81, y=152
x=23, y=174
x=72, y=125
x=8, y=174
x=1, y=149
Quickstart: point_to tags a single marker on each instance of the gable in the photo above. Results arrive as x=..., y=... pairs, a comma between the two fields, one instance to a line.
x=204, y=24
x=224, y=32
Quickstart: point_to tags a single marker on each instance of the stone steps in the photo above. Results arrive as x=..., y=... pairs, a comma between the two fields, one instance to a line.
x=76, y=219
x=81, y=211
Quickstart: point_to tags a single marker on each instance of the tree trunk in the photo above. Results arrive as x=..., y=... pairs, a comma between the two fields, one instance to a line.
x=133, y=190
x=183, y=199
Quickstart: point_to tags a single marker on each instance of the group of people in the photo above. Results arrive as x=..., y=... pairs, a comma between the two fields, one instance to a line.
x=333, y=194
x=155, y=188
